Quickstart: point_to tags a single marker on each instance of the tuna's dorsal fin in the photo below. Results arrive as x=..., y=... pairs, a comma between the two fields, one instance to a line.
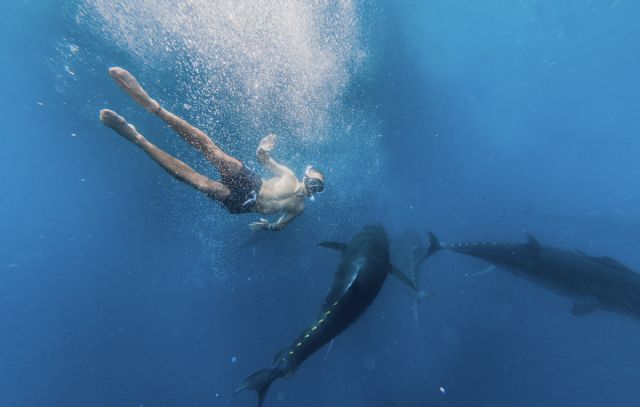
x=582, y=309
x=334, y=245
x=611, y=262
x=406, y=280
x=533, y=243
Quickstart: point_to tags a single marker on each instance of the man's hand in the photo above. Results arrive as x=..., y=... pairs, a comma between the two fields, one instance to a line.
x=268, y=143
x=262, y=224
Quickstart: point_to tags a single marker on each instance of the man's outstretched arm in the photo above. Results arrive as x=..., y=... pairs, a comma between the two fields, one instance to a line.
x=264, y=156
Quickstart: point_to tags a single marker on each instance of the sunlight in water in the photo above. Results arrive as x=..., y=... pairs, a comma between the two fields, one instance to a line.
x=284, y=63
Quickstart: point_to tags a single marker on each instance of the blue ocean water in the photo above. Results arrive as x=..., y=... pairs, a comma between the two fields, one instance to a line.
x=120, y=286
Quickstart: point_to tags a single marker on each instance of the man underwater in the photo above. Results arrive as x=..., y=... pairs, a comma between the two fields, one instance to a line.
x=239, y=190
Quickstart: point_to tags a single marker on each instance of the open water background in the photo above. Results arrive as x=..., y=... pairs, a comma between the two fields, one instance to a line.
x=122, y=287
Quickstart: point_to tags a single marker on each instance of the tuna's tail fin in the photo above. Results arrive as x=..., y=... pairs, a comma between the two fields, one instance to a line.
x=260, y=382
x=434, y=245
x=421, y=254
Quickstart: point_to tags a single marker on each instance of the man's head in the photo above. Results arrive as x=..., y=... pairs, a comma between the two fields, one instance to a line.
x=313, y=181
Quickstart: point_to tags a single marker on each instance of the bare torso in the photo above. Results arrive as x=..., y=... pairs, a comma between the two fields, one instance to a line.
x=282, y=193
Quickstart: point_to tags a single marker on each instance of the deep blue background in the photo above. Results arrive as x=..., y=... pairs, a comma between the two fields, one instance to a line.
x=119, y=286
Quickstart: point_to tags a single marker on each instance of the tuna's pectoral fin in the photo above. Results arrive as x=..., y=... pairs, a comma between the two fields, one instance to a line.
x=610, y=262
x=406, y=280
x=580, y=309
x=334, y=245
x=260, y=382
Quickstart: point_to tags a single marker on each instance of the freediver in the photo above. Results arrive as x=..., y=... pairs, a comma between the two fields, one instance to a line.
x=240, y=190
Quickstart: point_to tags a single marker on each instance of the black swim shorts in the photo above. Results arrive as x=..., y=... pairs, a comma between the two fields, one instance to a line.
x=244, y=188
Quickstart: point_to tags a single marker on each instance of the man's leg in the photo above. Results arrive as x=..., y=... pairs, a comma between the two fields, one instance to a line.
x=172, y=165
x=224, y=163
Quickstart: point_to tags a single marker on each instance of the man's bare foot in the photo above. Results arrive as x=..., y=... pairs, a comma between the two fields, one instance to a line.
x=130, y=85
x=111, y=119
